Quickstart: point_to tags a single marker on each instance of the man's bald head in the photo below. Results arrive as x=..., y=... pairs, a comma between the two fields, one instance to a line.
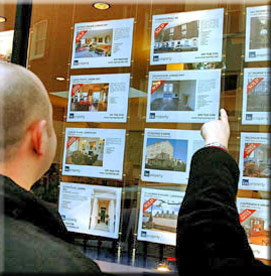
x=23, y=100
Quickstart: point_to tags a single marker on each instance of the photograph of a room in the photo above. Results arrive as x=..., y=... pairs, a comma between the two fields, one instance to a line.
x=174, y=96
x=258, y=162
x=163, y=154
x=180, y=38
x=103, y=210
x=258, y=230
x=90, y=97
x=258, y=99
x=86, y=151
x=260, y=33
x=95, y=43
x=161, y=216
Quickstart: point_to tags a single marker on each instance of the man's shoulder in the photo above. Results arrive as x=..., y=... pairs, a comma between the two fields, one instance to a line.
x=30, y=249
x=25, y=206
x=35, y=236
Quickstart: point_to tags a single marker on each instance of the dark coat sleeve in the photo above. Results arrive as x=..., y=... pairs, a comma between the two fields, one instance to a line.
x=209, y=234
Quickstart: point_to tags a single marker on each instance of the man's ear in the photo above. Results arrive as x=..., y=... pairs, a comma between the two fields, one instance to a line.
x=38, y=130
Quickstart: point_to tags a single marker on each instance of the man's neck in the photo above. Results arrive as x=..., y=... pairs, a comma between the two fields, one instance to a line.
x=18, y=174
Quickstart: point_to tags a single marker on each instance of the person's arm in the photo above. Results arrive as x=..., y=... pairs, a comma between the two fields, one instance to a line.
x=209, y=234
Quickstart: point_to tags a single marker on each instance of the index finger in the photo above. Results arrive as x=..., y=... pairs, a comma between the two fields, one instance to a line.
x=223, y=115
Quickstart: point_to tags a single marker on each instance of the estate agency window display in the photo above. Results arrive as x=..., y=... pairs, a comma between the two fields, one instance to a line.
x=140, y=88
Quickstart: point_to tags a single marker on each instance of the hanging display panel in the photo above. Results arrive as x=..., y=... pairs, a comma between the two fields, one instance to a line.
x=94, y=152
x=98, y=98
x=187, y=37
x=254, y=217
x=258, y=33
x=90, y=209
x=167, y=154
x=102, y=44
x=188, y=96
x=254, y=162
x=256, y=96
x=158, y=215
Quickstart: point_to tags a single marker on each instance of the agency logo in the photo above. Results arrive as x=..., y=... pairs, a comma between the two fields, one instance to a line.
x=146, y=173
x=152, y=115
x=249, y=117
x=245, y=182
x=155, y=58
x=144, y=234
x=252, y=54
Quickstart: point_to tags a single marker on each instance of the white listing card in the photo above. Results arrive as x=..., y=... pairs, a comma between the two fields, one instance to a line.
x=189, y=96
x=158, y=215
x=90, y=209
x=102, y=44
x=167, y=154
x=94, y=152
x=98, y=98
x=255, y=161
x=256, y=96
x=187, y=37
x=254, y=216
x=258, y=40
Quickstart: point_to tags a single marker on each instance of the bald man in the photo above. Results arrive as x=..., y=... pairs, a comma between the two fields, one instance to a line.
x=35, y=238
x=210, y=238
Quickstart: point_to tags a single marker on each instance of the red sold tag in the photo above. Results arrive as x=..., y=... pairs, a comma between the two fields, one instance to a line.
x=148, y=203
x=246, y=214
x=159, y=29
x=71, y=140
x=156, y=85
x=253, y=84
x=80, y=35
x=250, y=148
x=75, y=88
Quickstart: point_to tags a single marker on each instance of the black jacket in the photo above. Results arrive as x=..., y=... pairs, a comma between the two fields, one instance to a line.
x=210, y=238
x=35, y=238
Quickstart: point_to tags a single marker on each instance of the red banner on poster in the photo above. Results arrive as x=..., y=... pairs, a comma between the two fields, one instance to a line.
x=148, y=203
x=71, y=140
x=156, y=85
x=75, y=88
x=253, y=84
x=159, y=29
x=80, y=35
x=246, y=214
x=250, y=148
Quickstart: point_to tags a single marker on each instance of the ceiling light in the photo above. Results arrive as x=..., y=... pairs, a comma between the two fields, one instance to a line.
x=101, y=5
x=60, y=78
x=2, y=19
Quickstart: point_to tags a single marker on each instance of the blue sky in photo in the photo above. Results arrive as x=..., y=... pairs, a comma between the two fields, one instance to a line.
x=180, y=146
x=164, y=206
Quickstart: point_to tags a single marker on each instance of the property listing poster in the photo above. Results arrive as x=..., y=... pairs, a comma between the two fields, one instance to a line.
x=102, y=44
x=189, y=96
x=256, y=96
x=94, y=152
x=187, y=37
x=98, y=98
x=158, y=215
x=255, y=161
x=90, y=209
x=254, y=216
x=258, y=39
x=167, y=154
